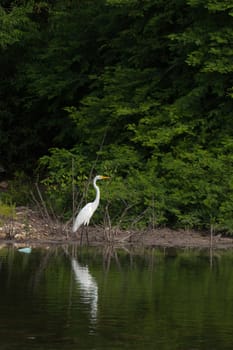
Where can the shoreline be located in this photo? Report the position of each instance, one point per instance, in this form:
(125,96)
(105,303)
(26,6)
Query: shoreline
(29,228)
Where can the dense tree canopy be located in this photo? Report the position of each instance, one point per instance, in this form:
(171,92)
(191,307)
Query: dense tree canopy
(140,90)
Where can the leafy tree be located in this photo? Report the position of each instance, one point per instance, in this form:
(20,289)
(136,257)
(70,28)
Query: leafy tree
(140,90)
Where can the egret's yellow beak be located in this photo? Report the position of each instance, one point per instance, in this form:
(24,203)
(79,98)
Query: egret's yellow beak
(105,177)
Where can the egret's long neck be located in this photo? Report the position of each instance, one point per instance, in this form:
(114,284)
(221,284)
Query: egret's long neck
(97,198)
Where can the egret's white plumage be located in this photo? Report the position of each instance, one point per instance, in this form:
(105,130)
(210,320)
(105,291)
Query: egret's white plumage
(85,214)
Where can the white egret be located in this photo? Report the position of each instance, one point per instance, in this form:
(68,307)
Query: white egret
(85,214)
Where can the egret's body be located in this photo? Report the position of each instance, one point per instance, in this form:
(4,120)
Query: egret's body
(85,214)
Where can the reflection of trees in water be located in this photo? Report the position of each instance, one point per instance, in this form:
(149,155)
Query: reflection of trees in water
(43,264)
(72,274)
(109,254)
(116,255)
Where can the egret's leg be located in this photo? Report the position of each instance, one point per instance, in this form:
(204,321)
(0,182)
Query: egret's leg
(87,235)
(81,235)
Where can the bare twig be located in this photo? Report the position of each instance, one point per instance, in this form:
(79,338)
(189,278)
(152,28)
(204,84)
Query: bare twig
(107,225)
(73,191)
(139,217)
(42,202)
(53,224)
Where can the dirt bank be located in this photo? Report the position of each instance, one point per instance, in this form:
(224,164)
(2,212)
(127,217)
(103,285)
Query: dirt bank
(29,226)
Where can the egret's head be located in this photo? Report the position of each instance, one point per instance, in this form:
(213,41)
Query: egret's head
(101,177)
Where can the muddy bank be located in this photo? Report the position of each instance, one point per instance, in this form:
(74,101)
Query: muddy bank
(29,227)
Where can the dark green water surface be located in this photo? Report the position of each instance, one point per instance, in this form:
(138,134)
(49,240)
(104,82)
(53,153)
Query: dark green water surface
(91,298)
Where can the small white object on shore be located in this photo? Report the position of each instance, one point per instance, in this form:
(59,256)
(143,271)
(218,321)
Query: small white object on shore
(26,250)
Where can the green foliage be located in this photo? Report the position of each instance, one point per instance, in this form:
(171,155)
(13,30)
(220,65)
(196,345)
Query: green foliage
(65,171)
(7,211)
(18,192)
(138,90)
(13,25)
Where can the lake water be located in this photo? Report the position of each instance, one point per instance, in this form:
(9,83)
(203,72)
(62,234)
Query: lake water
(94,298)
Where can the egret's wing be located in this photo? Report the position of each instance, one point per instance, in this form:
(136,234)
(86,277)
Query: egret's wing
(83,216)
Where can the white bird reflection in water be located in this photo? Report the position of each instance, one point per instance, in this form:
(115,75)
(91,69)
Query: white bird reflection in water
(88,286)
